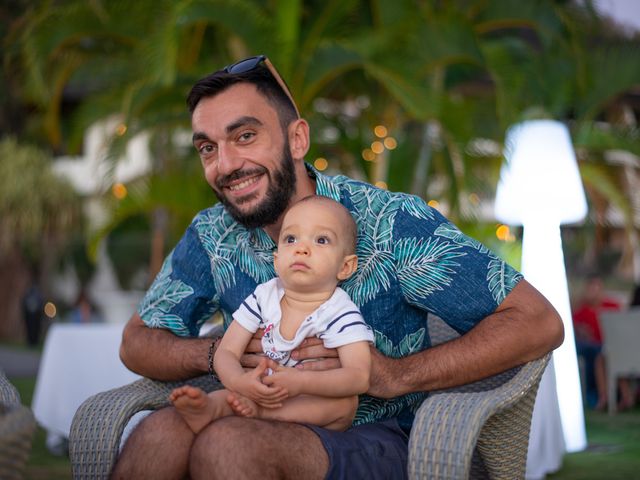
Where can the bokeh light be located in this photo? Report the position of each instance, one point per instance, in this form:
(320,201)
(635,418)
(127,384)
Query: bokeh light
(121,129)
(380,131)
(119,190)
(368,155)
(50,309)
(321,163)
(503,232)
(390,143)
(377,147)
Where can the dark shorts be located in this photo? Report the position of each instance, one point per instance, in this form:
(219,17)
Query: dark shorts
(372,451)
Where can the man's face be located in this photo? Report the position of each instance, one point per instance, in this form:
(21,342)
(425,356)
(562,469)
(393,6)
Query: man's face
(245,154)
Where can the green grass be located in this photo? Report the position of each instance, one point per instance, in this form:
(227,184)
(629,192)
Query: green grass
(613,453)
(42,465)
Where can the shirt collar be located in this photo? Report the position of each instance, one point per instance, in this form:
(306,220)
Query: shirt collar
(324,185)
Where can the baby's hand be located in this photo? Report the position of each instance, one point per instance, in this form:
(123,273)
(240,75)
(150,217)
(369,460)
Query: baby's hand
(286,378)
(250,385)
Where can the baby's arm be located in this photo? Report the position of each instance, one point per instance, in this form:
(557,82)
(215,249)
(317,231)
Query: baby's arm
(227,366)
(352,378)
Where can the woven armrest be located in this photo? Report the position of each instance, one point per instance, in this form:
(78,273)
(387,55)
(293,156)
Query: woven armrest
(8,393)
(17,426)
(98,424)
(478,430)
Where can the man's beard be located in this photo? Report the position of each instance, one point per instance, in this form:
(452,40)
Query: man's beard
(276,201)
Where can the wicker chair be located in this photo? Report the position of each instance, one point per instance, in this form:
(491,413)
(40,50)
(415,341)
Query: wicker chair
(17,426)
(480,430)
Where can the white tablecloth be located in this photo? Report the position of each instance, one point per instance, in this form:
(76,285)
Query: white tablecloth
(77,362)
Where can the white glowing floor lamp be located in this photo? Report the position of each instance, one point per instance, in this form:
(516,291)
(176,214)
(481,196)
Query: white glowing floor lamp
(540,188)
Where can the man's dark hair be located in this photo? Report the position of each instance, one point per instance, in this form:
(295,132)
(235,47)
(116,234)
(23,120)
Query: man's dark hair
(260,76)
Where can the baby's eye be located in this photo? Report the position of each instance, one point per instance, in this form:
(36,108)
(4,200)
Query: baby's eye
(322,240)
(289,239)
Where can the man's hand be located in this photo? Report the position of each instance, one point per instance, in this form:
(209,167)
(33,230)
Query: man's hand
(312,351)
(315,355)
(250,385)
(253,353)
(386,376)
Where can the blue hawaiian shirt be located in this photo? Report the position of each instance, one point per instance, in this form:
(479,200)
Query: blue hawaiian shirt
(411,262)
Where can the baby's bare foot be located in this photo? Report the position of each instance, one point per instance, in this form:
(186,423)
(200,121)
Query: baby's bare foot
(195,407)
(243,406)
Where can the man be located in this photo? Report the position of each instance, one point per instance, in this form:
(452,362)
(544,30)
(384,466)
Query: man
(252,143)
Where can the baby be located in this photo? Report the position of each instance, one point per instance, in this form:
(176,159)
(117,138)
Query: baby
(316,251)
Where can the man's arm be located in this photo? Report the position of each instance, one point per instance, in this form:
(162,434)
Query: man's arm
(524,327)
(157,353)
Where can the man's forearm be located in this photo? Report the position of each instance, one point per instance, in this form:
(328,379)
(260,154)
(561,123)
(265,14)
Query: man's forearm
(524,328)
(159,354)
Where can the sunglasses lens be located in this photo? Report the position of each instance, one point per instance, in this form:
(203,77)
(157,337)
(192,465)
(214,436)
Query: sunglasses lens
(245,65)
(249,64)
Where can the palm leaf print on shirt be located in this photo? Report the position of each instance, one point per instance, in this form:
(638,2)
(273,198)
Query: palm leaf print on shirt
(226,244)
(173,292)
(425,265)
(375,258)
(214,232)
(256,263)
(416,207)
(501,278)
(451,232)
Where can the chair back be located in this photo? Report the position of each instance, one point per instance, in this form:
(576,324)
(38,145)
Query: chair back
(621,331)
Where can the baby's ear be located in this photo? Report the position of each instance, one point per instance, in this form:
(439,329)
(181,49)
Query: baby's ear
(349,265)
(275,263)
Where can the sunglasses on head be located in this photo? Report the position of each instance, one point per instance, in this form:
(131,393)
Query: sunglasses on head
(250,63)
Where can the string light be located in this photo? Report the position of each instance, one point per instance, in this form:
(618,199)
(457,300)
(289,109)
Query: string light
(381,184)
(503,232)
(121,129)
(50,309)
(321,163)
(377,147)
(433,203)
(368,155)
(390,143)
(380,131)
(119,190)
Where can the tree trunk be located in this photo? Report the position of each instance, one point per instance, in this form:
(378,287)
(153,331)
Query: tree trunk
(14,280)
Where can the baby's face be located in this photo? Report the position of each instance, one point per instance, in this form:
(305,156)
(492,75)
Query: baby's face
(312,251)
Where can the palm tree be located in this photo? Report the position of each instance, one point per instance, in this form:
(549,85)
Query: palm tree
(437,74)
(38,215)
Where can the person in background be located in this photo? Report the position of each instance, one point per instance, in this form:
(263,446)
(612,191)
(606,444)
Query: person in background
(590,341)
(84,310)
(33,310)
